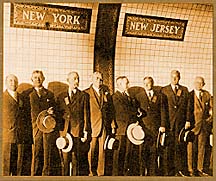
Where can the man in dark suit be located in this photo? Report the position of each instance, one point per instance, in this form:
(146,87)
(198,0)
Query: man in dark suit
(198,113)
(152,101)
(12,128)
(177,99)
(46,158)
(73,105)
(125,113)
(101,111)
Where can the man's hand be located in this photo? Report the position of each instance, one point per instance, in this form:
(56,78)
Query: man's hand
(139,113)
(50,110)
(162,129)
(113,131)
(187,125)
(84,137)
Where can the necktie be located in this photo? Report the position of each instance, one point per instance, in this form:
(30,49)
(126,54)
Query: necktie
(150,96)
(16,97)
(200,96)
(71,96)
(39,92)
(176,89)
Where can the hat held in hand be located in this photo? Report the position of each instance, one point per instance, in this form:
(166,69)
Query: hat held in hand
(186,135)
(46,122)
(64,143)
(111,143)
(135,134)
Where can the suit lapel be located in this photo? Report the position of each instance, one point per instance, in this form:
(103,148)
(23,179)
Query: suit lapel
(198,102)
(172,94)
(11,99)
(75,98)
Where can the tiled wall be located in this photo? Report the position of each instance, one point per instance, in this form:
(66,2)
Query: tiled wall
(58,52)
(139,57)
(54,52)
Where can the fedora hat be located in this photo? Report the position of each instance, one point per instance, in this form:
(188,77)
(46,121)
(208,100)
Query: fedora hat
(111,143)
(46,122)
(135,134)
(64,143)
(186,135)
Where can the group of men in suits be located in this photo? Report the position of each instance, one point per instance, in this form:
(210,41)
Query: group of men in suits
(89,116)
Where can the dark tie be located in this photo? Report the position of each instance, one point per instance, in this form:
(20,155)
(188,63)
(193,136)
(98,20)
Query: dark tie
(39,92)
(150,96)
(200,96)
(176,90)
(16,97)
(71,96)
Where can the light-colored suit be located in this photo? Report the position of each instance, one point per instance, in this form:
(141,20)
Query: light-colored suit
(198,112)
(101,111)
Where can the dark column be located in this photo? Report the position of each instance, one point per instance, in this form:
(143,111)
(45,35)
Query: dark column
(105,41)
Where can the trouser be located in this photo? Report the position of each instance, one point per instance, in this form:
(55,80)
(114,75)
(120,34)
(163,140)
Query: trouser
(12,159)
(196,152)
(45,158)
(148,164)
(120,155)
(177,155)
(27,159)
(96,155)
(72,159)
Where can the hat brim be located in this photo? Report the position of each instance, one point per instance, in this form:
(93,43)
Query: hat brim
(39,122)
(130,136)
(185,136)
(70,144)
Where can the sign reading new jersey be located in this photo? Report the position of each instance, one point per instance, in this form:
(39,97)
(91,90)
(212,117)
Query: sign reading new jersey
(50,17)
(154,27)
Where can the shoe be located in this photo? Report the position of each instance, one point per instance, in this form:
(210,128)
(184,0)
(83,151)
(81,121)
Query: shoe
(202,174)
(191,174)
(180,174)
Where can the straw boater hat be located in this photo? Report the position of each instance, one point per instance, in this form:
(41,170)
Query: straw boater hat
(111,143)
(46,122)
(64,143)
(186,135)
(135,134)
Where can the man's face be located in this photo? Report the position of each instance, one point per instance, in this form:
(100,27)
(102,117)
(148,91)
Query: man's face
(148,84)
(198,84)
(73,80)
(97,80)
(124,84)
(37,79)
(175,78)
(12,82)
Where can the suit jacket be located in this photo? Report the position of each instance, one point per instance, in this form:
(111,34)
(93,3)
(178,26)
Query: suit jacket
(101,111)
(177,106)
(12,118)
(156,110)
(198,111)
(38,104)
(125,112)
(75,111)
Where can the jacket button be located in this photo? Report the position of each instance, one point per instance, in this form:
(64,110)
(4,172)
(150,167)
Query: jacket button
(175,107)
(68,116)
(148,107)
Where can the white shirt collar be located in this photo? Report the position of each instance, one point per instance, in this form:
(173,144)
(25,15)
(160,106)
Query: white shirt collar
(174,86)
(12,93)
(69,91)
(122,91)
(197,92)
(96,89)
(149,91)
(38,88)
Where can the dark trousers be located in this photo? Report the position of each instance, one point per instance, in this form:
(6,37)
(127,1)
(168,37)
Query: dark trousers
(120,155)
(27,159)
(148,158)
(96,155)
(45,158)
(12,159)
(76,161)
(177,155)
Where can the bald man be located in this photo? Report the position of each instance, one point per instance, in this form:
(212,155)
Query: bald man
(198,112)
(12,128)
(73,106)
(101,111)
(177,100)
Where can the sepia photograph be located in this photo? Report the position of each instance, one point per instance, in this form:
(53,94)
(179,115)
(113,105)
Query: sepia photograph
(117,89)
